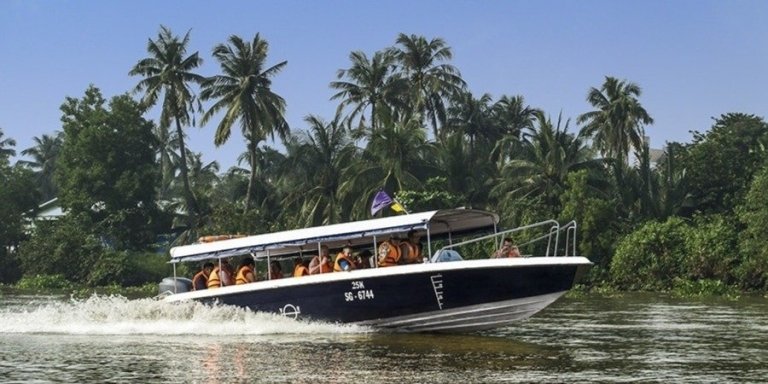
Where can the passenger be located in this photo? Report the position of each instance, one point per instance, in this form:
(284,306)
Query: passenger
(322,263)
(344,261)
(275,270)
(245,272)
(299,269)
(389,252)
(363,259)
(410,249)
(508,249)
(221,275)
(200,281)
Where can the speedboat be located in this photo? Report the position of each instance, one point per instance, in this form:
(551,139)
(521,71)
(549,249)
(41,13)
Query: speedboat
(458,288)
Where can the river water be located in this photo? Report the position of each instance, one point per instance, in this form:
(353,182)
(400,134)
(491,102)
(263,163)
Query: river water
(626,338)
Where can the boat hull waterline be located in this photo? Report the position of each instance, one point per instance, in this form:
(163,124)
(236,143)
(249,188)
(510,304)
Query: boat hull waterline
(461,296)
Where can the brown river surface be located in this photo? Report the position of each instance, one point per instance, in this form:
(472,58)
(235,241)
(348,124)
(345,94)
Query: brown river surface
(590,338)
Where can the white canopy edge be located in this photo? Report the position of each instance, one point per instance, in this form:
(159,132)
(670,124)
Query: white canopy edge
(337,235)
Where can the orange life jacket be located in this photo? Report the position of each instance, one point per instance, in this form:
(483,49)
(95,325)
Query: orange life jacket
(300,271)
(341,256)
(388,254)
(214,281)
(322,267)
(200,280)
(242,275)
(414,253)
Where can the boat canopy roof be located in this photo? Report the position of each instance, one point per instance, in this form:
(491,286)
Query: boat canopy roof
(356,233)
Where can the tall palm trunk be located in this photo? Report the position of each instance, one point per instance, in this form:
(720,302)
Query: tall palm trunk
(252,145)
(188,195)
(373,116)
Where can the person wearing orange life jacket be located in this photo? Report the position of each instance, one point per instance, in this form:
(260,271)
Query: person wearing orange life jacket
(321,263)
(344,261)
(200,281)
(221,275)
(299,269)
(410,249)
(245,272)
(275,270)
(388,252)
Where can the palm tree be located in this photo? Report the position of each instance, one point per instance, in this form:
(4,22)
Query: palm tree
(168,72)
(431,80)
(202,179)
(244,93)
(397,157)
(270,165)
(471,117)
(168,157)
(44,155)
(368,84)
(617,123)
(202,176)
(465,168)
(547,154)
(323,154)
(511,117)
(6,148)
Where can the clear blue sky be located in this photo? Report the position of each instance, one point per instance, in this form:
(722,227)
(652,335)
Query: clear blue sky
(693,59)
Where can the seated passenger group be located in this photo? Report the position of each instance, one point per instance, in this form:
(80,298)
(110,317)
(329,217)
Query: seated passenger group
(390,253)
(396,252)
(221,274)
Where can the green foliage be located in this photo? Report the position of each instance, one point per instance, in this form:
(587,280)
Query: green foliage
(44,157)
(230,219)
(168,72)
(318,159)
(475,251)
(433,197)
(541,167)
(106,168)
(65,247)
(107,269)
(244,94)
(721,163)
(753,242)
(18,200)
(595,217)
(712,249)
(651,257)
(6,149)
(698,257)
(10,268)
(145,268)
(703,287)
(44,282)
(617,121)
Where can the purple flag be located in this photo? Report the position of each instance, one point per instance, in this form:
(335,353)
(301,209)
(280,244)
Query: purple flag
(380,201)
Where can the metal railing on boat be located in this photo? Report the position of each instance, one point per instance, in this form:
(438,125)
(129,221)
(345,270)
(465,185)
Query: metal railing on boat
(552,235)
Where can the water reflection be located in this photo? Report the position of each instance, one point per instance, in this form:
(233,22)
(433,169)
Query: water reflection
(620,339)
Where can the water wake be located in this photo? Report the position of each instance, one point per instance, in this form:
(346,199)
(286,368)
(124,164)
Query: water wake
(117,315)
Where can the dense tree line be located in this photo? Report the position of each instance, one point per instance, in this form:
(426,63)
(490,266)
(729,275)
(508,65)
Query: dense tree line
(407,123)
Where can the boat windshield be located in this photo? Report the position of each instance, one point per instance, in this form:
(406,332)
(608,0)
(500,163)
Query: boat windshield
(445,255)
